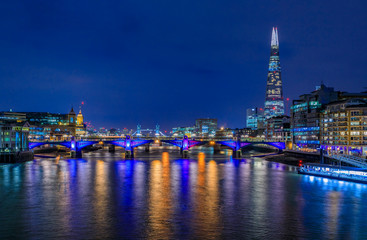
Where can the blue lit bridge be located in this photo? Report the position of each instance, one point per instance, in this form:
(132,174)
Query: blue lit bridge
(129,144)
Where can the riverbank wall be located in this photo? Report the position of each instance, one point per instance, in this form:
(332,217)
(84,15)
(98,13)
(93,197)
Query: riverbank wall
(16,157)
(291,157)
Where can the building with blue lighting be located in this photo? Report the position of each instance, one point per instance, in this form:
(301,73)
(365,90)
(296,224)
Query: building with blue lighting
(182,131)
(255,118)
(305,117)
(13,136)
(274,102)
(206,126)
(315,119)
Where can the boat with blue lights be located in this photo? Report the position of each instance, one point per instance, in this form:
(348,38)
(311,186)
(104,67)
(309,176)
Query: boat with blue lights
(335,172)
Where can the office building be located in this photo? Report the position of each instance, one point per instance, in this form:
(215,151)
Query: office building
(255,118)
(206,126)
(305,117)
(274,102)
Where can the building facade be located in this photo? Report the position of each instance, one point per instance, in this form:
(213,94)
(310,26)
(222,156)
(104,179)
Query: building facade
(344,127)
(305,117)
(206,126)
(274,102)
(80,128)
(14,136)
(255,118)
(182,131)
(49,126)
(278,129)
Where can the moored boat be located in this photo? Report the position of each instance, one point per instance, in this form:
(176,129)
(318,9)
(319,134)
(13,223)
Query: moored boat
(335,172)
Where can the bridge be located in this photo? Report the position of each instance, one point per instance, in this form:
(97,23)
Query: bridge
(148,132)
(129,144)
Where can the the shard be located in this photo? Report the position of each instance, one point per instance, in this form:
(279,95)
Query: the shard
(274,103)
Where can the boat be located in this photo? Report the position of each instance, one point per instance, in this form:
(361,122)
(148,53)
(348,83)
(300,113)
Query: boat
(335,172)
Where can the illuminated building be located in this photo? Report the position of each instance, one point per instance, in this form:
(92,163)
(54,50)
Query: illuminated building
(80,127)
(305,117)
(344,126)
(255,118)
(274,103)
(224,133)
(13,136)
(72,117)
(242,132)
(114,132)
(46,118)
(206,126)
(45,125)
(13,116)
(278,129)
(39,133)
(181,131)
(126,131)
(80,118)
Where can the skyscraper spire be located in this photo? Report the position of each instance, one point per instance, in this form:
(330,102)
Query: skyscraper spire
(274,38)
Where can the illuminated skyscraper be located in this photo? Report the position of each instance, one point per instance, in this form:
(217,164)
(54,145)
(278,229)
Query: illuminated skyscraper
(274,103)
(255,118)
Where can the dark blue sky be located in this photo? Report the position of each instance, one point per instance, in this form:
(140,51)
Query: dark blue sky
(173,61)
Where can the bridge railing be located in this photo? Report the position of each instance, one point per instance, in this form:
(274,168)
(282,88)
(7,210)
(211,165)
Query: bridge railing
(350,159)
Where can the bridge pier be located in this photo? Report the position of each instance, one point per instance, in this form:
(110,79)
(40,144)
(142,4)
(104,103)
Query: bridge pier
(216,148)
(147,147)
(185,153)
(111,148)
(129,154)
(238,153)
(76,154)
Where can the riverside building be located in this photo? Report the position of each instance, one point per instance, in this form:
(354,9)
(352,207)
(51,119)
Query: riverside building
(14,136)
(278,129)
(305,117)
(52,126)
(344,127)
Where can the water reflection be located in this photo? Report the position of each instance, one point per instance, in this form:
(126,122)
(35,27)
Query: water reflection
(206,200)
(101,196)
(160,199)
(161,196)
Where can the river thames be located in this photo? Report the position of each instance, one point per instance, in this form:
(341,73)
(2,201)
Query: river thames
(162,196)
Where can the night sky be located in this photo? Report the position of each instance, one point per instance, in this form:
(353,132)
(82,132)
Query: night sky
(170,62)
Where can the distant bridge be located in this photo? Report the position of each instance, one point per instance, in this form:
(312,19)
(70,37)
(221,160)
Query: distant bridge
(148,132)
(129,144)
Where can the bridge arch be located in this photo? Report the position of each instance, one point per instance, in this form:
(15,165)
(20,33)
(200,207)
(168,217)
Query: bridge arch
(33,145)
(72,145)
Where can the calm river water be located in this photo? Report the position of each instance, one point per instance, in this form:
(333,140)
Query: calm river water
(161,196)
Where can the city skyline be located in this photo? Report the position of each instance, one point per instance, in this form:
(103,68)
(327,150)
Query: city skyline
(172,71)
(173,120)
